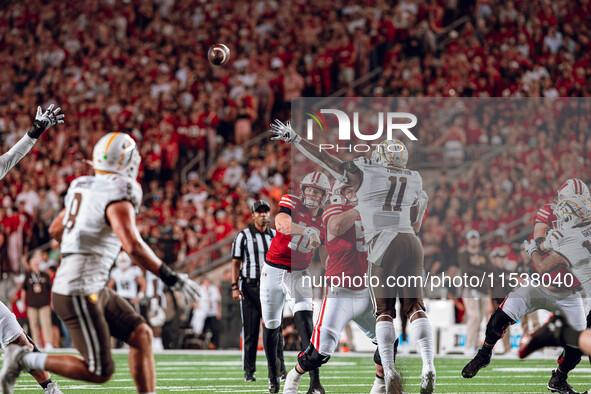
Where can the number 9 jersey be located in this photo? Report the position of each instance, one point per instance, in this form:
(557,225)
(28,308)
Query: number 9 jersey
(87,231)
(385,197)
(294,252)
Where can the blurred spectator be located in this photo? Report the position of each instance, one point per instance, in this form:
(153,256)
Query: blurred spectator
(474,263)
(36,292)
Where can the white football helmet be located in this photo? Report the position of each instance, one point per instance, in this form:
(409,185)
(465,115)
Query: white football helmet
(116,153)
(318,180)
(338,197)
(572,187)
(390,153)
(123,261)
(572,211)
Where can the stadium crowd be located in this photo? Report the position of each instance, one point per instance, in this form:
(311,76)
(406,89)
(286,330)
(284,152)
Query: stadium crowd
(141,67)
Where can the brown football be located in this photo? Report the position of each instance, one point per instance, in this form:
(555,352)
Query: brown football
(218,54)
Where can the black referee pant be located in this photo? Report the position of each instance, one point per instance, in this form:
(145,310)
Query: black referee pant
(251,322)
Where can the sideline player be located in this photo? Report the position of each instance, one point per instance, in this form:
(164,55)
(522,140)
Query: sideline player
(11,333)
(527,299)
(570,245)
(99,219)
(125,279)
(346,297)
(391,205)
(299,228)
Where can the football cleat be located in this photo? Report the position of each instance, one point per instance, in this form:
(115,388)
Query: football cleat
(292,382)
(52,389)
(249,377)
(550,334)
(393,381)
(479,361)
(558,384)
(428,381)
(379,386)
(274,384)
(12,366)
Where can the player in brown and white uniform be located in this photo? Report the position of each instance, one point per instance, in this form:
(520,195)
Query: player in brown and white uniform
(570,245)
(11,333)
(529,298)
(391,206)
(97,221)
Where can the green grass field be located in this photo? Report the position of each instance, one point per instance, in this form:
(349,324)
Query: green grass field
(211,372)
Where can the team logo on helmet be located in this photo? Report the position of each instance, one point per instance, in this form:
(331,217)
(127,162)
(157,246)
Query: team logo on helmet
(391,153)
(572,211)
(116,153)
(316,180)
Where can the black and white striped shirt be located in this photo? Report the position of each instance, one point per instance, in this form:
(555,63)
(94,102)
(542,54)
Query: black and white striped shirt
(251,246)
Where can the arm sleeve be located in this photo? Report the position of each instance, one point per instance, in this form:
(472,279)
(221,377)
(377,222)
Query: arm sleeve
(17,152)
(285,210)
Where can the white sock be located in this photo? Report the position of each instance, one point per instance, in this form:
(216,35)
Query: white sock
(386,335)
(421,332)
(35,360)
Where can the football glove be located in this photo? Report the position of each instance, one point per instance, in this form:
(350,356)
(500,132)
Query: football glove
(44,120)
(313,235)
(190,290)
(530,247)
(284,132)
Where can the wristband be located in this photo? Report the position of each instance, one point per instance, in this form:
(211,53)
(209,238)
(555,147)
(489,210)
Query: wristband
(168,276)
(539,241)
(235,286)
(36,129)
(140,295)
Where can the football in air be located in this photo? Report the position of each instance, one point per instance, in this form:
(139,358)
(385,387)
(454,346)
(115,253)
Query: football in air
(218,54)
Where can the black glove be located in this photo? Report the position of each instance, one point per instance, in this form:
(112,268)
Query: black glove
(44,120)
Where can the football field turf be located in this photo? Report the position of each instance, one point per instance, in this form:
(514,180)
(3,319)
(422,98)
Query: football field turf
(220,372)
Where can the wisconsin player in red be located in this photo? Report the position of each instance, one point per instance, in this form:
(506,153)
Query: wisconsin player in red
(299,229)
(527,299)
(346,296)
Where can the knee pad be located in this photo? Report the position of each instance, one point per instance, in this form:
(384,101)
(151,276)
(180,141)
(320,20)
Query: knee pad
(310,359)
(376,355)
(272,324)
(496,326)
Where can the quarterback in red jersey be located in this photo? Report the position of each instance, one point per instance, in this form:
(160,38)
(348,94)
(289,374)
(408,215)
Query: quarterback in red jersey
(299,232)
(346,296)
(527,299)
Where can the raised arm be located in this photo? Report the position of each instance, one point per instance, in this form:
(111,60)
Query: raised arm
(43,121)
(284,132)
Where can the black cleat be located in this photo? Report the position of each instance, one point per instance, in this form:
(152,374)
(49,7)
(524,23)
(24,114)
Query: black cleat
(283,375)
(316,388)
(550,334)
(558,384)
(274,384)
(249,377)
(479,361)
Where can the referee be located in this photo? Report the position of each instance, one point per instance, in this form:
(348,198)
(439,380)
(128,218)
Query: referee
(248,255)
